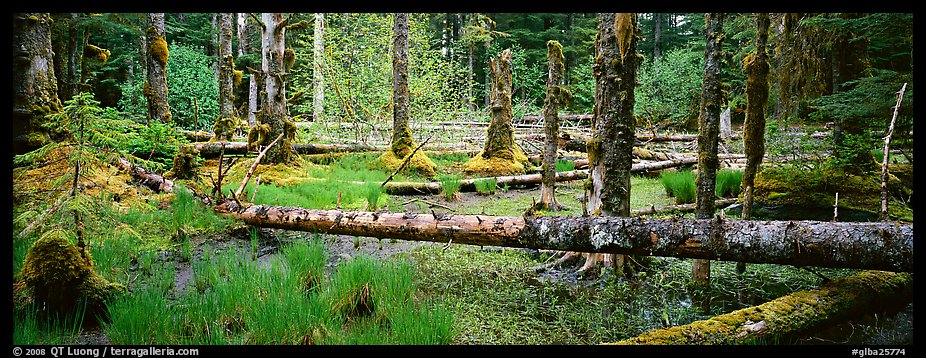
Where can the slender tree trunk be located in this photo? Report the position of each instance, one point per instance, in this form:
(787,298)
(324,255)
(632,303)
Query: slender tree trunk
(610,151)
(226,69)
(252,100)
(157,54)
(35,88)
(887,147)
(402,142)
(657,35)
(318,63)
(243,42)
(756,68)
(274,111)
(555,69)
(708,131)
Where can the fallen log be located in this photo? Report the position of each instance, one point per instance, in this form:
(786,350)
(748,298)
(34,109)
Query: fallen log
(198,136)
(798,312)
(151,180)
(719,204)
(860,245)
(212,149)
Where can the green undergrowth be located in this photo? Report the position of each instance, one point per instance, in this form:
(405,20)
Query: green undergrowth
(499,300)
(234,299)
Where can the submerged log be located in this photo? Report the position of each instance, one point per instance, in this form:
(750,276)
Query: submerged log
(878,246)
(798,312)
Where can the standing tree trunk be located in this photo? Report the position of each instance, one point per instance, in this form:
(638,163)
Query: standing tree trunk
(500,156)
(156,86)
(243,43)
(274,115)
(403,144)
(756,68)
(35,88)
(555,69)
(227,122)
(657,35)
(610,150)
(318,62)
(708,132)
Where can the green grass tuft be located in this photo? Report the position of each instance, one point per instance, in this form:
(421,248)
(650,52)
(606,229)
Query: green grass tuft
(728,183)
(679,184)
(486,186)
(450,185)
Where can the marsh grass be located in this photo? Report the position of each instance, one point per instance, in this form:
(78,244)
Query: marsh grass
(679,184)
(450,185)
(29,325)
(727,183)
(486,186)
(238,300)
(565,165)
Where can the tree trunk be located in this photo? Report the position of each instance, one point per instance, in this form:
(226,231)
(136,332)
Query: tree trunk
(555,69)
(35,88)
(708,131)
(252,100)
(657,35)
(274,112)
(756,68)
(318,62)
(865,292)
(610,150)
(887,147)
(500,156)
(151,180)
(243,43)
(74,54)
(224,128)
(857,245)
(156,86)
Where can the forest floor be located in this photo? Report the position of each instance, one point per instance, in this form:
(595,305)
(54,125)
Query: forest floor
(497,297)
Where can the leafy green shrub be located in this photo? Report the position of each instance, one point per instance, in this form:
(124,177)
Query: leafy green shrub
(670,89)
(679,184)
(450,185)
(727,184)
(486,186)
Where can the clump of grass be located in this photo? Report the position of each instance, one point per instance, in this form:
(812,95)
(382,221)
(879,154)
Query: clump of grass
(450,185)
(679,184)
(486,186)
(565,165)
(373,192)
(188,213)
(307,259)
(728,183)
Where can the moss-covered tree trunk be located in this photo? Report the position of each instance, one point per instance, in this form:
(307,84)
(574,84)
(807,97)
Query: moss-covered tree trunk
(500,156)
(708,131)
(610,150)
(756,68)
(318,63)
(274,115)
(555,70)
(227,121)
(156,59)
(403,144)
(35,88)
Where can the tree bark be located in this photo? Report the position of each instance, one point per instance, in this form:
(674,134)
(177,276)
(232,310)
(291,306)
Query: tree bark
(274,71)
(74,54)
(151,180)
(35,88)
(887,147)
(402,142)
(555,70)
(865,292)
(157,54)
(610,150)
(858,245)
(226,68)
(708,131)
(318,62)
(243,43)
(756,68)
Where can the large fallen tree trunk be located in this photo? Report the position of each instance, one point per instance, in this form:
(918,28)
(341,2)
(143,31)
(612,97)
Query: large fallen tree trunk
(798,312)
(863,245)
(469,185)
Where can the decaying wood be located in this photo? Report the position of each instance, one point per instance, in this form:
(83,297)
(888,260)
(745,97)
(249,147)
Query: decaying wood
(865,292)
(151,180)
(212,149)
(859,245)
(469,185)
(887,147)
(260,156)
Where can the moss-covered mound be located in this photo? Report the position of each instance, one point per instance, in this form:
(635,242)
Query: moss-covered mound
(419,161)
(817,188)
(185,163)
(224,129)
(60,277)
(499,165)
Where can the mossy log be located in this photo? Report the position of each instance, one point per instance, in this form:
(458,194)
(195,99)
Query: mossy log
(212,149)
(151,180)
(681,207)
(877,246)
(792,314)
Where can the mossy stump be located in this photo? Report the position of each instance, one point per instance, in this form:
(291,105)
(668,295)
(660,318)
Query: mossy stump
(419,161)
(224,129)
(185,163)
(497,165)
(60,277)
